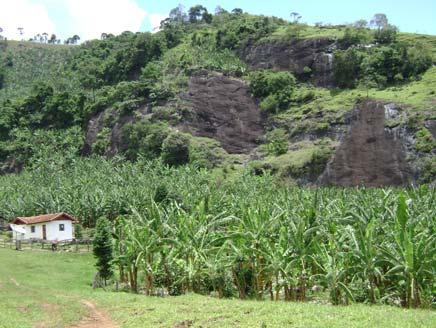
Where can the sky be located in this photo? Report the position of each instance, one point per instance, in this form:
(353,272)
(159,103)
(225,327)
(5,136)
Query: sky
(90,18)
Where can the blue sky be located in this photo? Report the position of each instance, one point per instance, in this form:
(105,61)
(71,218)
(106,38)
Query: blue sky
(89,18)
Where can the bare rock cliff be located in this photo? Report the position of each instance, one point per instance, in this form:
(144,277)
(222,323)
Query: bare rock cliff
(369,154)
(296,56)
(223,109)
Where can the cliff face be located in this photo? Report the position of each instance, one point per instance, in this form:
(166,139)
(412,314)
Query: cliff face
(223,109)
(296,56)
(369,154)
(98,122)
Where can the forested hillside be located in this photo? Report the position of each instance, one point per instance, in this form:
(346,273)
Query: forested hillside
(230,92)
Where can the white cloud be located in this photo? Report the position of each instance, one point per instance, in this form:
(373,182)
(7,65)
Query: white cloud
(155,20)
(32,17)
(90,18)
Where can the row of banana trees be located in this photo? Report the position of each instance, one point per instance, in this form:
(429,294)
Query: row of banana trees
(282,252)
(186,230)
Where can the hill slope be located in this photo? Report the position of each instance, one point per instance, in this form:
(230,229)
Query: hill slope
(243,91)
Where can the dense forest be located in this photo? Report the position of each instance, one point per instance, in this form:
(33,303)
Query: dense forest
(198,150)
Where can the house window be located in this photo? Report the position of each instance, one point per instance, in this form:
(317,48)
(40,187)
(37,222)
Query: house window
(61,227)
(32,229)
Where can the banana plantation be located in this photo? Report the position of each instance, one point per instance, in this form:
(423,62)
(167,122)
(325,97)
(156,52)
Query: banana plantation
(183,230)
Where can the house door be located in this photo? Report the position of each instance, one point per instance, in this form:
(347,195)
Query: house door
(44,232)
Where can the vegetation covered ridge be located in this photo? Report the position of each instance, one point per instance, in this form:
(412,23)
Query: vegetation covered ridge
(135,84)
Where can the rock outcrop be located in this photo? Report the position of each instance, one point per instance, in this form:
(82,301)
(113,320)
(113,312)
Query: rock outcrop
(100,121)
(223,109)
(297,56)
(369,154)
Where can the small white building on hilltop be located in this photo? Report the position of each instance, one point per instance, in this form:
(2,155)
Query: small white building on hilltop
(53,227)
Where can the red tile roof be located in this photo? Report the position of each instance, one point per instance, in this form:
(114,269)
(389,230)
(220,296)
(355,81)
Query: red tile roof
(44,218)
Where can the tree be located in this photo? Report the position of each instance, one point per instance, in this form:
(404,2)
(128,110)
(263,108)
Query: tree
(75,38)
(196,12)
(361,23)
(347,67)
(237,11)
(178,14)
(379,21)
(295,17)
(52,39)
(102,248)
(386,35)
(220,10)
(45,36)
(175,149)
(21,31)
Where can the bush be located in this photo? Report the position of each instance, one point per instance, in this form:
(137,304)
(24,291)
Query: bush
(175,149)
(425,141)
(386,35)
(144,138)
(102,142)
(355,36)
(276,88)
(346,67)
(241,28)
(277,142)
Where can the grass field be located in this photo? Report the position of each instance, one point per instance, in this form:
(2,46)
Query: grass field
(44,289)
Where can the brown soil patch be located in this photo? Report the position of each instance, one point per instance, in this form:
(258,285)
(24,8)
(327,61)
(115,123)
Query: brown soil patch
(96,318)
(184,324)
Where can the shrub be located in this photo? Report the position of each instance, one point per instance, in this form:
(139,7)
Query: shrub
(275,87)
(424,141)
(386,35)
(355,36)
(175,149)
(144,138)
(102,142)
(277,142)
(346,67)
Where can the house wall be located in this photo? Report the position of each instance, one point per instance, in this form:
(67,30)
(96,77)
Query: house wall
(52,230)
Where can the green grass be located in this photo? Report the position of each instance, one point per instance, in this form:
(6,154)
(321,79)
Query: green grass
(32,62)
(305,32)
(412,38)
(46,288)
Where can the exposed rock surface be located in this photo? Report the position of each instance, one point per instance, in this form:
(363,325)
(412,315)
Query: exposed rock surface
(369,154)
(100,121)
(223,109)
(294,56)
(431,126)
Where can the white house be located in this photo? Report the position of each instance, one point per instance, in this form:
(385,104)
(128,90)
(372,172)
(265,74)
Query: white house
(53,227)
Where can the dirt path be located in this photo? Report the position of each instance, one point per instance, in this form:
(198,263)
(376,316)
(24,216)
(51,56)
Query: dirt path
(96,318)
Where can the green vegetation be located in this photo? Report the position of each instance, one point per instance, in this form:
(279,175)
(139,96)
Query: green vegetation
(50,92)
(425,141)
(177,214)
(61,281)
(175,149)
(102,248)
(276,89)
(182,230)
